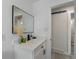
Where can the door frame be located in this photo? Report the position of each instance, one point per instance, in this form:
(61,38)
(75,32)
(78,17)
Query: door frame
(69,29)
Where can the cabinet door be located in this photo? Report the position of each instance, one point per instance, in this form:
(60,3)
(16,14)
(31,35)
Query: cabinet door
(40,54)
(21,53)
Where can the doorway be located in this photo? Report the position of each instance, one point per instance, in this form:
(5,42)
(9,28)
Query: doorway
(63,32)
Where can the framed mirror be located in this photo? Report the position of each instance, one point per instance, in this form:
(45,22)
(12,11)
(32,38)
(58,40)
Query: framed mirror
(22,20)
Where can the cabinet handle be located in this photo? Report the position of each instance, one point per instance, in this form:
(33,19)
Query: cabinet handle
(44,52)
(42,46)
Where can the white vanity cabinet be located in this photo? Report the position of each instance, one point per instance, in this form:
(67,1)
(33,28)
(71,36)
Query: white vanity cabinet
(40,52)
(33,50)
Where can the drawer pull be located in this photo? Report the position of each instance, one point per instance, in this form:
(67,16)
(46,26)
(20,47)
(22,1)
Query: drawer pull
(42,46)
(44,52)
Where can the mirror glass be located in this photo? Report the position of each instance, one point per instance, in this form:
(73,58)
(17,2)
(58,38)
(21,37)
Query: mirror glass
(21,20)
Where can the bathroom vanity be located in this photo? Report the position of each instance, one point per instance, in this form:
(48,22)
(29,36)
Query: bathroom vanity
(33,49)
(23,22)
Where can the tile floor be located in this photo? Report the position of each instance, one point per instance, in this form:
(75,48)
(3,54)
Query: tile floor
(60,56)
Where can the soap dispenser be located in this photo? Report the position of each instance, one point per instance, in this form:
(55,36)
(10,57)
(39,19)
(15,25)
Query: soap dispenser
(28,37)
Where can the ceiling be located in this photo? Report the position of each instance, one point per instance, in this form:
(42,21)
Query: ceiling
(34,0)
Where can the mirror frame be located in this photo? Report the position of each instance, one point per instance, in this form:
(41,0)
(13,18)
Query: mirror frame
(13,20)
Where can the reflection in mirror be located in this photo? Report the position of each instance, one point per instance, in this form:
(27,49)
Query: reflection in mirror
(21,21)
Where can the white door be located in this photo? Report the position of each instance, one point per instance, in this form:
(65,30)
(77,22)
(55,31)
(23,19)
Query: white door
(60,32)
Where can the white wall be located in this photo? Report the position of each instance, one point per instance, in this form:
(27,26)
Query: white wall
(42,28)
(68,8)
(7,14)
(7,23)
(54,3)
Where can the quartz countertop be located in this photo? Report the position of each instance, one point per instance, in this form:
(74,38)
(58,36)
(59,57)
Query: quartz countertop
(30,45)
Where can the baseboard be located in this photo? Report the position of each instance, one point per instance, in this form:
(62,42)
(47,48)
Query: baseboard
(59,51)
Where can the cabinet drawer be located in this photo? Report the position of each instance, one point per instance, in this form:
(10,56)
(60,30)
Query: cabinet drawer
(40,47)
